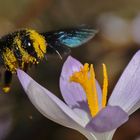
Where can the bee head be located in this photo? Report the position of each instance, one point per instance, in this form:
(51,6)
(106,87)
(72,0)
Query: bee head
(37,42)
(31,42)
(34,43)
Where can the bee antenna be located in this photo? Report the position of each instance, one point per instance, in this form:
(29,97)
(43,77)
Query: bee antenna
(56,51)
(58,54)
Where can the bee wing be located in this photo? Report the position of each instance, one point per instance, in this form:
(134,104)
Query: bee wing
(63,40)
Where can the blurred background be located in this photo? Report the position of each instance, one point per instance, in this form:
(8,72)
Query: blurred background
(118,22)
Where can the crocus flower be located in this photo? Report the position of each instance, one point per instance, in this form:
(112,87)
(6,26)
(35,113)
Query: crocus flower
(86,108)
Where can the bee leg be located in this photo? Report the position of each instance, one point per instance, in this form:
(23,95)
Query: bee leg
(26,66)
(7,81)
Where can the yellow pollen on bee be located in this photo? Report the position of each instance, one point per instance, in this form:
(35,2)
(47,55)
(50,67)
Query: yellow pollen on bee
(39,43)
(86,78)
(6,89)
(26,57)
(10,60)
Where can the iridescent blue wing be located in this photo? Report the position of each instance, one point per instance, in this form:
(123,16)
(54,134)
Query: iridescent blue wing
(63,40)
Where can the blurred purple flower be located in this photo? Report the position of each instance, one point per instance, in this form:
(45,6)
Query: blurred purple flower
(76,113)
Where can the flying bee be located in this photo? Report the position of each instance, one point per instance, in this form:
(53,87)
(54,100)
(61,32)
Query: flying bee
(24,47)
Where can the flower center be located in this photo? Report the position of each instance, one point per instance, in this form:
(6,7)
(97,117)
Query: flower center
(86,78)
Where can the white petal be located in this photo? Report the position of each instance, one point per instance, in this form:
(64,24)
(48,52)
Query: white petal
(126,94)
(55,110)
(82,114)
(134,108)
(48,104)
(105,136)
(51,106)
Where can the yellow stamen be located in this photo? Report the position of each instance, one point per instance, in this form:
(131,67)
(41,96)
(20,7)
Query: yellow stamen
(94,91)
(105,86)
(80,76)
(86,78)
(87,81)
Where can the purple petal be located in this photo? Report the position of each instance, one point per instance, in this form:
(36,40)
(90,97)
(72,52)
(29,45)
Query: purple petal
(48,104)
(107,119)
(73,93)
(82,110)
(126,93)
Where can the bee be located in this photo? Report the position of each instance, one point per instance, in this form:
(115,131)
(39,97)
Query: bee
(24,47)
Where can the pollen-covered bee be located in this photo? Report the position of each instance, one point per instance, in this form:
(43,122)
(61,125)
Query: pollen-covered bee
(25,47)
